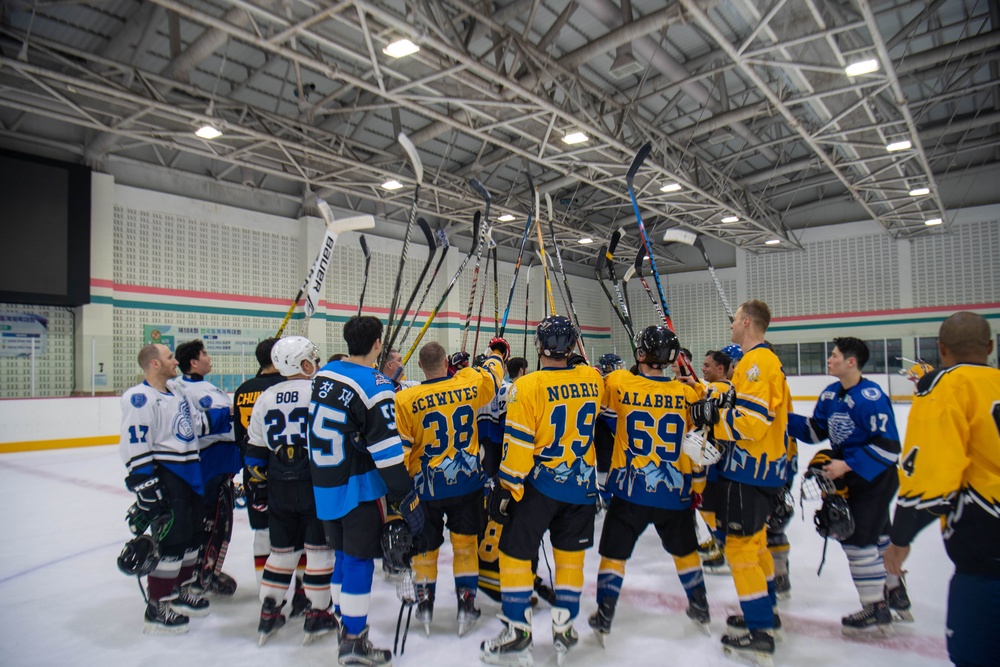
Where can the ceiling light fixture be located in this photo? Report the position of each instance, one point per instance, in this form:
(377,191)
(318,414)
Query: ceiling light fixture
(772,242)
(671,187)
(401,48)
(208,132)
(506,217)
(392,185)
(585,240)
(862,67)
(575,138)
(932,222)
(901,145)
(919,192)
(730,218)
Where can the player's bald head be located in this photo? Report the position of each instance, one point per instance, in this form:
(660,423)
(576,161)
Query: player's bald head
(966,336)
(148,353)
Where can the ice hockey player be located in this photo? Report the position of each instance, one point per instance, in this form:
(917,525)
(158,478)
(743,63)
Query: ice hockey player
(546,483)
(651,479)
(437,423)
(159,446)
(949,471)
(356,459)
(278,463)
(604,434)
(220,461)
(855,415)
(714,372)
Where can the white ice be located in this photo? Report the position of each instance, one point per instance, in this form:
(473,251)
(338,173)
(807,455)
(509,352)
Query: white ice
(64,602)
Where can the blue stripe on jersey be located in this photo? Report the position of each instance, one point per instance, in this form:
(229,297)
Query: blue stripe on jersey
(518,434)
(754,407)
(510,479)
(335,502)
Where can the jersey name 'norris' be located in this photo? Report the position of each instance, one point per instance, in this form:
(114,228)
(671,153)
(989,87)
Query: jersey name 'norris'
(444,398)
(657,401)
(578,390)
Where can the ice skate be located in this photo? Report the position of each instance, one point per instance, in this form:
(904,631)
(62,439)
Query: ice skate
(600,620)
(737,625)
(189,604)
(271,620)
(425,607)
(222,585)
(564,637)
(318,624)
(512,646)
(698,612)
(783,587)
(161,619)
(899,602)
(874,619)
(358,650)
(467,612)
(755,647)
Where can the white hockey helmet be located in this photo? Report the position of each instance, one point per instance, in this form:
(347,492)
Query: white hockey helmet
(289,353)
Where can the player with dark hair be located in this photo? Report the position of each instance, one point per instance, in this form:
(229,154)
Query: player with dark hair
(220,462)
(949,471)
(437,422)
(604,434)
(714,373)
(356,458)
(546,483)
(857,418)
(159,446)
(651,479)
(278,461)
(753,418)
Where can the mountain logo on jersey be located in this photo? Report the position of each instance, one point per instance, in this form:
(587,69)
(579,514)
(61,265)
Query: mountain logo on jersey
(448,471)
(841,426)
(138,400)
(654,475)
(183,430)
(871,393)
(562,473)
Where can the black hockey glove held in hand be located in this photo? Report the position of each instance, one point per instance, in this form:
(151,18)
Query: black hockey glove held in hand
(412,512)
(498,503)
(151,497)
(501,347)
(704,413)
(256,488)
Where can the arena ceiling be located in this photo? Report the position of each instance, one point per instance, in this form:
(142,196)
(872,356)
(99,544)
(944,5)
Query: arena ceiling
(746,103)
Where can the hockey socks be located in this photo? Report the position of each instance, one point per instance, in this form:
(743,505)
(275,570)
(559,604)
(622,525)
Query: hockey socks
(867,571)
(355,593)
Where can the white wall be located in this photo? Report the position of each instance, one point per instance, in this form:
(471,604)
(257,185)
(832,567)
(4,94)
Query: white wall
(39,419)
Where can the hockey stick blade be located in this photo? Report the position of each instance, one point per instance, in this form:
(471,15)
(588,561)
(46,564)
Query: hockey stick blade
(411,152)
(678,235)
(637,161)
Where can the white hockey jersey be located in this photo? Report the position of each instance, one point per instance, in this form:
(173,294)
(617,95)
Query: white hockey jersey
(219,452)
(277,434)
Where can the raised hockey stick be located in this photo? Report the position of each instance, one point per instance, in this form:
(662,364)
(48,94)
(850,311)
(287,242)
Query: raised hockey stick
(313,283)
(454,279)
(527,300)
(364,279)
(496,295)
(610,257)
(629,273)
(545,269)
(443,243)
(663,310)
(562,270)
(677,235)
(431,251)
(481,190)
(602,256)
(418,168)
(520,253)
(482,298)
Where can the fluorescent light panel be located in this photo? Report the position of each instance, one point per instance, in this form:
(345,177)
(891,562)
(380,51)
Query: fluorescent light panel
(401,48)
(919,192)
(730,218)
(392,185)
(208,132)
(862,67)
(575,138)
(932,222)
(772,242)
(671,187)
(585,240)
(507,217)
(899,146)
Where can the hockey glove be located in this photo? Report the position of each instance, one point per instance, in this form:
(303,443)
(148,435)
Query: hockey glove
(500,346)
(256,488)
(704,413)
(726,400)
(151,497)
(457,362)
(412,512)
(498,503)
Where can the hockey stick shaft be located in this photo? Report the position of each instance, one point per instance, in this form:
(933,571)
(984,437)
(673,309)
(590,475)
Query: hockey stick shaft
(482,302)
(364,279)
(423,297)
(571,307)
(431,251)
(545,269)
(678,235)
(486,232)
(520,253)
(619,292)
(601,258)
(496,294)
(527,300)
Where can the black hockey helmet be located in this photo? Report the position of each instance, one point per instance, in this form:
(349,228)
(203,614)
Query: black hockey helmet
(782,511)
(834,519)
(657,346)
(397,546)
(610,362)
(139,556)
(555,337)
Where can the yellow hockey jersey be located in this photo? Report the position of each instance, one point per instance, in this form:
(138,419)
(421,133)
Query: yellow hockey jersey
(548,438)
(436,420)
(950,466)
(755,426)
(647,464)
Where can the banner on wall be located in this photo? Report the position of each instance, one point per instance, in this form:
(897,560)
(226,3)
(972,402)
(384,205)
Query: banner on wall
(22,333)
(218,340)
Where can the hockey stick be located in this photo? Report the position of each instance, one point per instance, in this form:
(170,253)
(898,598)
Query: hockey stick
(562,270)
(443,243)
(527,300)
(418,168)
(481,190)
(482,299)
(545,269)
(677,235)
(454,279)
(610,257)
(602,256)
(520,253)
(663,310)
(496,296)
(432,250)
(313,283)
(629,272)
(364,280)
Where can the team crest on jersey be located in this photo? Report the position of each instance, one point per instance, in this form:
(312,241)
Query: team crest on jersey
(512,395)
(841,427)
(205,402)
(138,400)
(871,393)
(183,430)
(754,373)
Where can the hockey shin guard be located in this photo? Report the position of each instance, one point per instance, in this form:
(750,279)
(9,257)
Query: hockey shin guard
(743,554)
(278,572)
(569,580)
(868,572)
(610,577)
(316,580)
(356,593)
(516,585)
(689,572)
(466,562)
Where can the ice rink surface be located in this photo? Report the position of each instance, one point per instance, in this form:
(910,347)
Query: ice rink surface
(64,602)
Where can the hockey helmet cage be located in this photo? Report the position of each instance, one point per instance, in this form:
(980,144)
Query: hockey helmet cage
(782,511)
(657,346)
(288,354)
(555,337)
(397,546)
(734,352)
(139,556)
(834,518)
(610,362)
